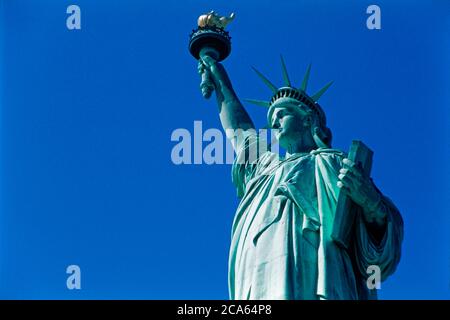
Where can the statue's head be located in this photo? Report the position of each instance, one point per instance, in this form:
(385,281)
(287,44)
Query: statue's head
(296,114)
(294,121)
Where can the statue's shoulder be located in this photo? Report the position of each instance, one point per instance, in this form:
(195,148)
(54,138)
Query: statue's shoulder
(330,154)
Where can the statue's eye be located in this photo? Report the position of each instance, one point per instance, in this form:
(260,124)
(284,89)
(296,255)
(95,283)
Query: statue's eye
(283,114)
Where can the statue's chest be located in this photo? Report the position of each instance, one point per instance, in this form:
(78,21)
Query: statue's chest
(283,182)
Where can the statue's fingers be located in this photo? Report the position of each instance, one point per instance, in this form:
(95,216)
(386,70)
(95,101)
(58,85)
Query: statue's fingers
(352,167)
(346,180)
(343,188)
(355,178)
(200,67)
(207,60)
(203,61)
(348,163)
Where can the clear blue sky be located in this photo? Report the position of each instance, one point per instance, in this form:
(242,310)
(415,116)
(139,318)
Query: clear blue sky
(87,116)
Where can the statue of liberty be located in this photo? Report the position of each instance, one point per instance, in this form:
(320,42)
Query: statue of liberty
(284,243)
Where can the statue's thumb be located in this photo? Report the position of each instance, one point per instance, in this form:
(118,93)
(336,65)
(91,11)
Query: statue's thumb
(202,62)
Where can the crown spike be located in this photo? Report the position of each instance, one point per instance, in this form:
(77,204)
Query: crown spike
(317,96)
(287,82)
(266,81)
(306,78)
(258,102)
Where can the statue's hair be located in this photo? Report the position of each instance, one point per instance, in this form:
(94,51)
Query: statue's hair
(322,135)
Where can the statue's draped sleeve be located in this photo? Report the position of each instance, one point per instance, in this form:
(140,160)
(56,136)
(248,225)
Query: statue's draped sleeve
(383,252)
(251,152)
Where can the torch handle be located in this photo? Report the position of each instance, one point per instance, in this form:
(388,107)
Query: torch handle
(207,84)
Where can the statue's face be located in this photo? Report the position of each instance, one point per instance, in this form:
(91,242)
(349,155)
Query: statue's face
(291,123)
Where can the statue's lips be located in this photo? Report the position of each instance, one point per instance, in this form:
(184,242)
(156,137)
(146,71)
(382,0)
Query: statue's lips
(278,132)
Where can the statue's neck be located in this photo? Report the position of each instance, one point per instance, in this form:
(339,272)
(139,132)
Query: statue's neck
(303,146)
(290,154)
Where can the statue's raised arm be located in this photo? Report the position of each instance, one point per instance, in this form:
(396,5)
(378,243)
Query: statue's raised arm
(210,44)
(232,113)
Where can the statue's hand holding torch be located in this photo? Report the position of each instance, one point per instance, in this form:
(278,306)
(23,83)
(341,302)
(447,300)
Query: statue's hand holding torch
(209,44)
(205,63)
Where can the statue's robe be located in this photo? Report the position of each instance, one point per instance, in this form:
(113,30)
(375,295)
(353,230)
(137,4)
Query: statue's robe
(281,236)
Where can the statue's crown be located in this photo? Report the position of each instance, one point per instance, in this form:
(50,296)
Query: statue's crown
(293,93)
(288,91)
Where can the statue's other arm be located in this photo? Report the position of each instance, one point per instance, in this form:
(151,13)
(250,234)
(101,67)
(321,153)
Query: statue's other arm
(379,230)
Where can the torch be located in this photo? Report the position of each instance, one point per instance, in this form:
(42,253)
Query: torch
(210,39)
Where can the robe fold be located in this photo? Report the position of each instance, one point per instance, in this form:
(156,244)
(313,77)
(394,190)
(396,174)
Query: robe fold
(281,245)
